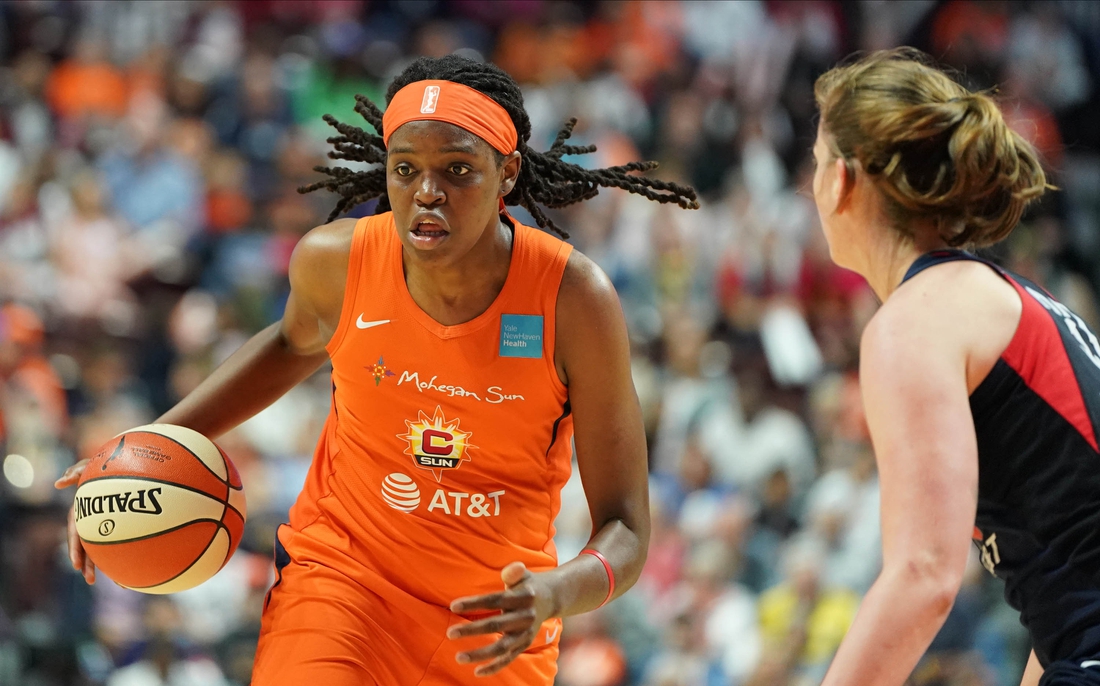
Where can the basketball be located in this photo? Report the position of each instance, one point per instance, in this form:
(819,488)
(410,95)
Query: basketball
(160,509)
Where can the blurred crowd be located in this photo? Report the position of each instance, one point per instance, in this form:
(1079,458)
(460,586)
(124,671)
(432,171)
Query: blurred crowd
(149,160)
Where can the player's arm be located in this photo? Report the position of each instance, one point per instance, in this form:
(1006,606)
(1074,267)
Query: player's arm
(286,352)
(593,354)
(913,377)
(270,363)
(1033,672)
(608,434)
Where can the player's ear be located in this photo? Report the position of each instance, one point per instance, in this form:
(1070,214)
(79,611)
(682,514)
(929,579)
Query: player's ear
(509,172)
(844,180)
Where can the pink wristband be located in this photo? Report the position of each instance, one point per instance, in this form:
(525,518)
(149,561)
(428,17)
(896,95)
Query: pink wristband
(610,574)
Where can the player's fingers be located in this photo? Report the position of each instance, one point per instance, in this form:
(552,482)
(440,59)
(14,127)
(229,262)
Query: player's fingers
(89,570)
(514,574)
(71,475)
(499,663)
(502,646)
(79,559)
(76,551)
(512,599)
(520,620)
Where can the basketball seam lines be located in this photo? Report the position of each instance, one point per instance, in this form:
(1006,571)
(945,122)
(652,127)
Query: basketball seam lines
(168,483)
(154,535)
(196,560)
(200,460)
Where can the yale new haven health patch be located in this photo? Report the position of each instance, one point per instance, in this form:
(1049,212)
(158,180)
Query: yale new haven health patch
(521,335)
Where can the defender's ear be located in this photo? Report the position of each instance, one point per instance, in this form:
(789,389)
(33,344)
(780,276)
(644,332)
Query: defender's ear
(844,182)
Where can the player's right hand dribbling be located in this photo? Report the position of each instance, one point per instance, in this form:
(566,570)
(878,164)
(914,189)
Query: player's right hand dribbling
(80,561)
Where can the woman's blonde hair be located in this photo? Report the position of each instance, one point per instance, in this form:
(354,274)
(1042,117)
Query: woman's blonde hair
(936,150)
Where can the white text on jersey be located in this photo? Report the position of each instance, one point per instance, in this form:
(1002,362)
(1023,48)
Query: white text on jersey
(468,504)
(494,395)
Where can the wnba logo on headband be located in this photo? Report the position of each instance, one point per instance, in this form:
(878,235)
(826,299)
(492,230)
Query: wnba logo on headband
(453,103)
(431,99)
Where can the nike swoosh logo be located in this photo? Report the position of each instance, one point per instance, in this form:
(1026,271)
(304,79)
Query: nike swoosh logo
(551,635)
(366,325)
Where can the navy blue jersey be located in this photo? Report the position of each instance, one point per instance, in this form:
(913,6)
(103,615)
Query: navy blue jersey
(1036,417)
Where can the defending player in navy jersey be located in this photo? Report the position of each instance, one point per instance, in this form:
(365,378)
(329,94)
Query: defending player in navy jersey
(982,392)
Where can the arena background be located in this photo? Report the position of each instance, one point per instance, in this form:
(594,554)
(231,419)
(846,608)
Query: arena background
(149,155)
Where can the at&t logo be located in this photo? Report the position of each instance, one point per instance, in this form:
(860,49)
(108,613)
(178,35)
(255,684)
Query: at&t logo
(400,492)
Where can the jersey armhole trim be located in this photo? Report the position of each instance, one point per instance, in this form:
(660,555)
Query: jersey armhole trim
(565,251)
(351,286)
(1048,373)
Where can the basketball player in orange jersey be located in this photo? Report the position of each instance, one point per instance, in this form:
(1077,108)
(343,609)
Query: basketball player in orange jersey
(982,391)
(468,353)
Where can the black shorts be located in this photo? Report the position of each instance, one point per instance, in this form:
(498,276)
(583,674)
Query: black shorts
(1065,673)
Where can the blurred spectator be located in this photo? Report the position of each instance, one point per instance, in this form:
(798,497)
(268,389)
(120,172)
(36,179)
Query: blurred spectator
(747,449)
(163,661)
(87,84)
(804,619)
(93,259)
(154,187)
(590,657)
(33,408)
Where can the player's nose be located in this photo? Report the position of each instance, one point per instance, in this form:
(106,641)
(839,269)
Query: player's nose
(428,191)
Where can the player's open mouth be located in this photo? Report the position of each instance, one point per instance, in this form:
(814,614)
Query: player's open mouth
(426,235)
(429,230)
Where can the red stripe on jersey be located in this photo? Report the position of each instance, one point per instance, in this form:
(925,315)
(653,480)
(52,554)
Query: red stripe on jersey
(1038,354)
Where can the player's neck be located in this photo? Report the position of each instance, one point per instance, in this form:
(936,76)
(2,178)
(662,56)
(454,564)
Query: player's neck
(887,255)
(455,293)
(887,264)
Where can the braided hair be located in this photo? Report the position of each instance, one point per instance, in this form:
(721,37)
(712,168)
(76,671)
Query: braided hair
(544,179)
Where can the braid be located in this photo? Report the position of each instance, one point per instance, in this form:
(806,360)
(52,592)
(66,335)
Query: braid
(544,179)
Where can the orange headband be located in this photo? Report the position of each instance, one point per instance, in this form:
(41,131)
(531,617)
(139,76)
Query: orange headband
(455,104)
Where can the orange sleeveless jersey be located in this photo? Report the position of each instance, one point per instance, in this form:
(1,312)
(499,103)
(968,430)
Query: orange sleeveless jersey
(444,454)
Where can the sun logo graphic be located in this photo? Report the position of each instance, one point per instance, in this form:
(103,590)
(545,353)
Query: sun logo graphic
(379,370)
(436,443)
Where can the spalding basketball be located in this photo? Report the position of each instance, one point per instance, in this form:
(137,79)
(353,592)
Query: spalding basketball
(160,508)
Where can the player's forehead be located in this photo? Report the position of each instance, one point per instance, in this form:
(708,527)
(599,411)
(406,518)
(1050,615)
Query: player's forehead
(428,137)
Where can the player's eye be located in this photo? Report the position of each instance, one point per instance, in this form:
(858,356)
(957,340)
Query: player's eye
(403,170)
(459,169)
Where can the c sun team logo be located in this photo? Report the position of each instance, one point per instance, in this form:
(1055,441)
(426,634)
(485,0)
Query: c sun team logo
(430,101)
(436,443)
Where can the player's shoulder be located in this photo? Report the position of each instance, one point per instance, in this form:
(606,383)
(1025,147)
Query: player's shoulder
(591,328)
(324,248)
(319,263)
(584,285)
(955,305)
(950,291)
(327,241)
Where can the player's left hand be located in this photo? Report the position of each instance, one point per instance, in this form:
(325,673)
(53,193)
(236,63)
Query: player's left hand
(525,603)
